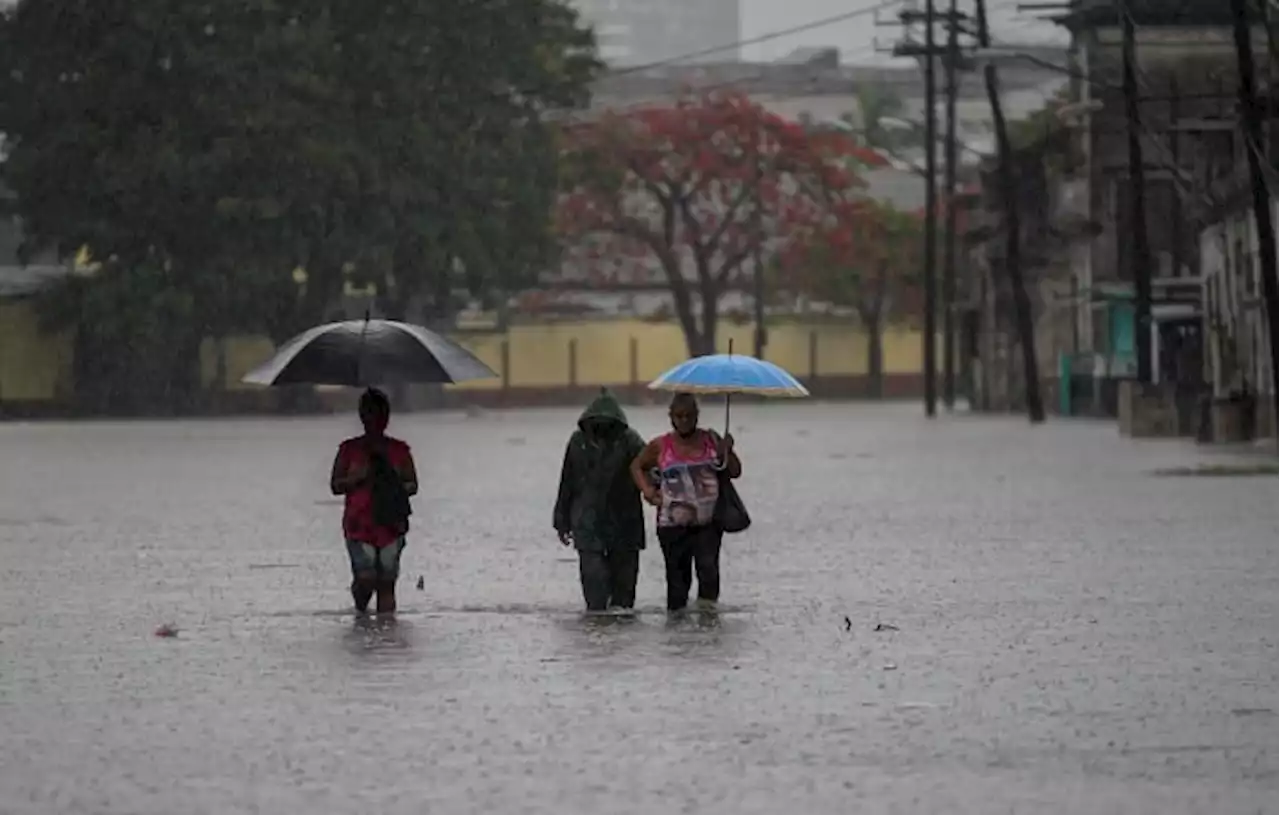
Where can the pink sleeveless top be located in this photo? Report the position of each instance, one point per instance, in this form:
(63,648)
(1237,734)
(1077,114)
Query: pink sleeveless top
(689,485)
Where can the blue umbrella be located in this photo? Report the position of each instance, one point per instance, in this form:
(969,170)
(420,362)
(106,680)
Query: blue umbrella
(729,374)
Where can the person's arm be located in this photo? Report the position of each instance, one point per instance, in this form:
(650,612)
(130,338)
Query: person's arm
(409,473)
(343,478)
(562,515)
(640,467)
(728,455)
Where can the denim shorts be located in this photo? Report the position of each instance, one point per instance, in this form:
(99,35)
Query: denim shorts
(385,560)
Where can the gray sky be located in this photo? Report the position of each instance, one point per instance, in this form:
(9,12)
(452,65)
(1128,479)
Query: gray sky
(856,37)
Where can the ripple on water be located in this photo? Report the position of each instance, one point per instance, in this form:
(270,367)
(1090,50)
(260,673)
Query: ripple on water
(1074,635)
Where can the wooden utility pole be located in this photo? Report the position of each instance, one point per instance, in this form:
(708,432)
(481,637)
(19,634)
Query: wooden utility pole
(1255,149)
(1013,228)
(1141,254)
(931,213)
(949,230)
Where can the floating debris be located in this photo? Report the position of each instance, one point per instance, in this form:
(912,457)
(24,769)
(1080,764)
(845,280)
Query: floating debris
(1252,711)
(167,630)
(889,666)
(886,627)
(422,583)
(848,624)
(1250,468)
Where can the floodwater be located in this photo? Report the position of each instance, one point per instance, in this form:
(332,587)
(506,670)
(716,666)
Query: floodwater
(1073,635)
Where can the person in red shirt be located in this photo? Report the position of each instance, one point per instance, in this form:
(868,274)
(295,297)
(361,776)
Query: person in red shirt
(369,471)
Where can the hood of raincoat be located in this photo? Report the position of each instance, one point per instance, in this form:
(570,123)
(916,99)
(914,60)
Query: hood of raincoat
(604,408)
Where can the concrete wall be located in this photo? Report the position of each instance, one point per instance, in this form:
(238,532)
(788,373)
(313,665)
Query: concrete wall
(34,366)
(539,360)
(592,353)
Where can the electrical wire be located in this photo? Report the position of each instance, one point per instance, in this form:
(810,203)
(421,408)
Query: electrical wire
(750,78)
(763,38)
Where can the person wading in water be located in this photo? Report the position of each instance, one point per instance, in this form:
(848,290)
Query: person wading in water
(598,509)
(690,462)
(376,475)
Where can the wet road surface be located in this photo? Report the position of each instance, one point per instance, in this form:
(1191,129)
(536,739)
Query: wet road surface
(1073,634)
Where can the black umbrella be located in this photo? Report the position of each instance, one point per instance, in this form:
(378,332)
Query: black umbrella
(368,352)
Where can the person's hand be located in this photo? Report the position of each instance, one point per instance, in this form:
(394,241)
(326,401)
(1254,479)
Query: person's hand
(653,497)
(357,473)
(726,444)
(566,537)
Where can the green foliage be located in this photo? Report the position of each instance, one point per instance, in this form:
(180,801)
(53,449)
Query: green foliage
(230,143)
(866,258)
(134,356)
(878,101)
(1043,130)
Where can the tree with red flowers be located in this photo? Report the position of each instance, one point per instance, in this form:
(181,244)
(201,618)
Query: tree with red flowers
(685,194)
(866,256)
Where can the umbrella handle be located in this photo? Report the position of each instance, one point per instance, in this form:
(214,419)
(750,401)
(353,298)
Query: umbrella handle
(728,397)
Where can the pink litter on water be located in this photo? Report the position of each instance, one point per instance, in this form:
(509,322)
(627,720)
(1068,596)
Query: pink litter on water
(167,630)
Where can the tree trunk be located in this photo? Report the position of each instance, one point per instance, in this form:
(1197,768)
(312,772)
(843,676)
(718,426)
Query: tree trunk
(874,325)
(710,319)
(871,310)
(184,389)
(219,383)
(309,309)
(682,301)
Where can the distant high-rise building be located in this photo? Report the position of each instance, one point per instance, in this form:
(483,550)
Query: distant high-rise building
(635,32)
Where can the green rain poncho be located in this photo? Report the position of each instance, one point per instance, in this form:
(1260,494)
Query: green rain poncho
(598,502)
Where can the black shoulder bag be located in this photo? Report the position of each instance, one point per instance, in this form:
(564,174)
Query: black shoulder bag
(731,514)
(390,499)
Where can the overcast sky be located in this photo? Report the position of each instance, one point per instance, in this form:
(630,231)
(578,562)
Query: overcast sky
(856,37)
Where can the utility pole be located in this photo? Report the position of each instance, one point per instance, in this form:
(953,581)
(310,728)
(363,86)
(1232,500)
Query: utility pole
(1022,319)
(931,214)
(1141,257)
(1255,148)
(949,230)
(929,53)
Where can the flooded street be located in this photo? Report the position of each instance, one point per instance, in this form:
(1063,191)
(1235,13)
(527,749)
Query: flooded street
(1073,634)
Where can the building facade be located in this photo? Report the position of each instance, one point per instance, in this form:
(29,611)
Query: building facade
(638,32)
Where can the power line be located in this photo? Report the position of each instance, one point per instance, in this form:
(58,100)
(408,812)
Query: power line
(779,34)
(766,37)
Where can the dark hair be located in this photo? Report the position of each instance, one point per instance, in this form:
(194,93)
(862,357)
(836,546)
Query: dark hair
(684,399)
(374,402)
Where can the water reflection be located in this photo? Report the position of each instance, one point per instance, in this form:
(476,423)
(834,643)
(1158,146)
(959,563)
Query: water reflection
(492,692)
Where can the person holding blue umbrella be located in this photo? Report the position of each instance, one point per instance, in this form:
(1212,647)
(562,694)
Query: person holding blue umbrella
(690,462)
(696,499)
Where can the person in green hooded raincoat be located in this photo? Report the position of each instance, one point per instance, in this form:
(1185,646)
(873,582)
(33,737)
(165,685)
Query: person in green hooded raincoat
(598,510)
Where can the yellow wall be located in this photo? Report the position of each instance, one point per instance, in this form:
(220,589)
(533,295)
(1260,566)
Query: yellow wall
(242,355)
(33,366)
(539,354)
